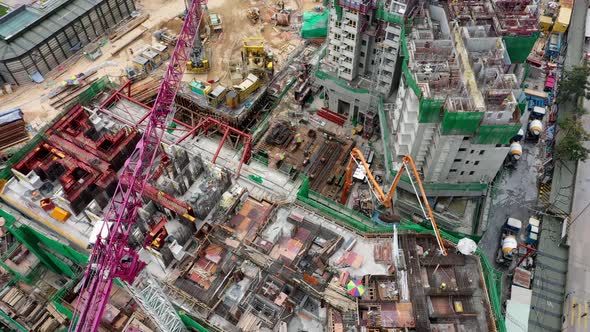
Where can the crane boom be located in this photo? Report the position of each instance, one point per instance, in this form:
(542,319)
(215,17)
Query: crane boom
(387,200)
(112,257)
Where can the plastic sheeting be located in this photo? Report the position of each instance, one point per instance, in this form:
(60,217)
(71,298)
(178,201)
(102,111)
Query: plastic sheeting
(461,123)
(315,25)
(10,115)
(495,134)
(519,48)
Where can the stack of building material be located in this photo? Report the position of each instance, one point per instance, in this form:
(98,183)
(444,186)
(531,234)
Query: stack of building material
(29,312)
(12,128)
(145,90)
(383,253)
(352,259)
(338,119)
(135,325)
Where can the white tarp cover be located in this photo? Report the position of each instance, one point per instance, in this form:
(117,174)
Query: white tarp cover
(466,246)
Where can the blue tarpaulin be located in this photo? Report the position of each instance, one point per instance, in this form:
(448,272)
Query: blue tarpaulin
(37,77)
(10,115)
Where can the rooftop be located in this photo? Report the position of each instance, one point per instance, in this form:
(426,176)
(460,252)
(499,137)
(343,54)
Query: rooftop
(462,65)
(27,26)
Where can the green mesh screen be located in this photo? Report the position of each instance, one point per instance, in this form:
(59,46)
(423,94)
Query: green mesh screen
(191,323)
(55,255)
(382,14)
(463,123)
(495,134)
(14,323)
(340,82)
(409,78)
(518,48)
(430,110)
(338,10)
(315,25)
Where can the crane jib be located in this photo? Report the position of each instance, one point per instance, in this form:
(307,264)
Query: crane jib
(111,256)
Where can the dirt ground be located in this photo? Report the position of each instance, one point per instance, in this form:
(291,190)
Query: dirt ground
(33,100)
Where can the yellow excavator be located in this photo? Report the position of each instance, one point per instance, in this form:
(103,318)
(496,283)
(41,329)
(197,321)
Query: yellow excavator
(357,159)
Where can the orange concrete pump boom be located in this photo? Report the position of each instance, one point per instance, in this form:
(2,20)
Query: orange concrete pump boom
(387,200)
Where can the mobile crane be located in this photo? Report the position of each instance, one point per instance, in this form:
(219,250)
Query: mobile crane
(112,256)
(357,159)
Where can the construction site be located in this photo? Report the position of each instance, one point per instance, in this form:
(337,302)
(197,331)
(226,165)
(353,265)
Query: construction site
(265,165)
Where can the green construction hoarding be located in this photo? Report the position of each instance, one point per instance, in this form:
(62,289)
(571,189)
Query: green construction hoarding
(519,47)
(495,134)
(460,123)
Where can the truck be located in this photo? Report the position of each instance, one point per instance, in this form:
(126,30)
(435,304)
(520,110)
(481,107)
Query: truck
(508,240)
(535,124)
(533,231)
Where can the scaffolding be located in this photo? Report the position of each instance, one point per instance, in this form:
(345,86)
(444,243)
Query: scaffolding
(149,295)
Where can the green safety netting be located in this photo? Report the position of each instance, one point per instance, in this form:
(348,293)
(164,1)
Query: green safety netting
(461,123)
(385,15)
(49,251)
(315,25)
(322,75)
(519,47)
(62,259)
(338,10)
(495,134)
(430,110)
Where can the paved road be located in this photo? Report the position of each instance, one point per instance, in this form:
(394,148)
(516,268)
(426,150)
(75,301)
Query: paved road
(514,195)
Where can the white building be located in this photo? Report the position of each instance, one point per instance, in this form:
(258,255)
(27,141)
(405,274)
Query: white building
(456,109)
(362,56)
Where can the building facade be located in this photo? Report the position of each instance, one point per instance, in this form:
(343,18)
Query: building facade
(37,38)
(456,107)
(362,57)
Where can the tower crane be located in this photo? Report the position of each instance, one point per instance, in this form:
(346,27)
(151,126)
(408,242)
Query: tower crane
(357,159)
(112,256)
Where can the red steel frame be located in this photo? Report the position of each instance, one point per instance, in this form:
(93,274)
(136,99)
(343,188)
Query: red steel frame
(112,257)
(204,126)
(209,123)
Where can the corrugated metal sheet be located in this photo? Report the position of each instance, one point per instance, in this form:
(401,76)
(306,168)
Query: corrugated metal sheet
(11,115)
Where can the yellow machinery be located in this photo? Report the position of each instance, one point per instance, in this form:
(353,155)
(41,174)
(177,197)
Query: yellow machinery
(247,87)
(357,158)
(231,97)
(216,97)
(60,214)
(201,66)
(256,58)
(198,62)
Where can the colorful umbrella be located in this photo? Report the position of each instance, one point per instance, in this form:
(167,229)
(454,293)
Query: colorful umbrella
(355,288)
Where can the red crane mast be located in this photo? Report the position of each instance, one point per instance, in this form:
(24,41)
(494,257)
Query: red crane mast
(112,256)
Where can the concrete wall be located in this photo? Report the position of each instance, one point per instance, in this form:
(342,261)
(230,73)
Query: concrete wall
(404,125)
(465,162)
(338,96)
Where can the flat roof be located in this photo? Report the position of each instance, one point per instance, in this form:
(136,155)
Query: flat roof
(26,27)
